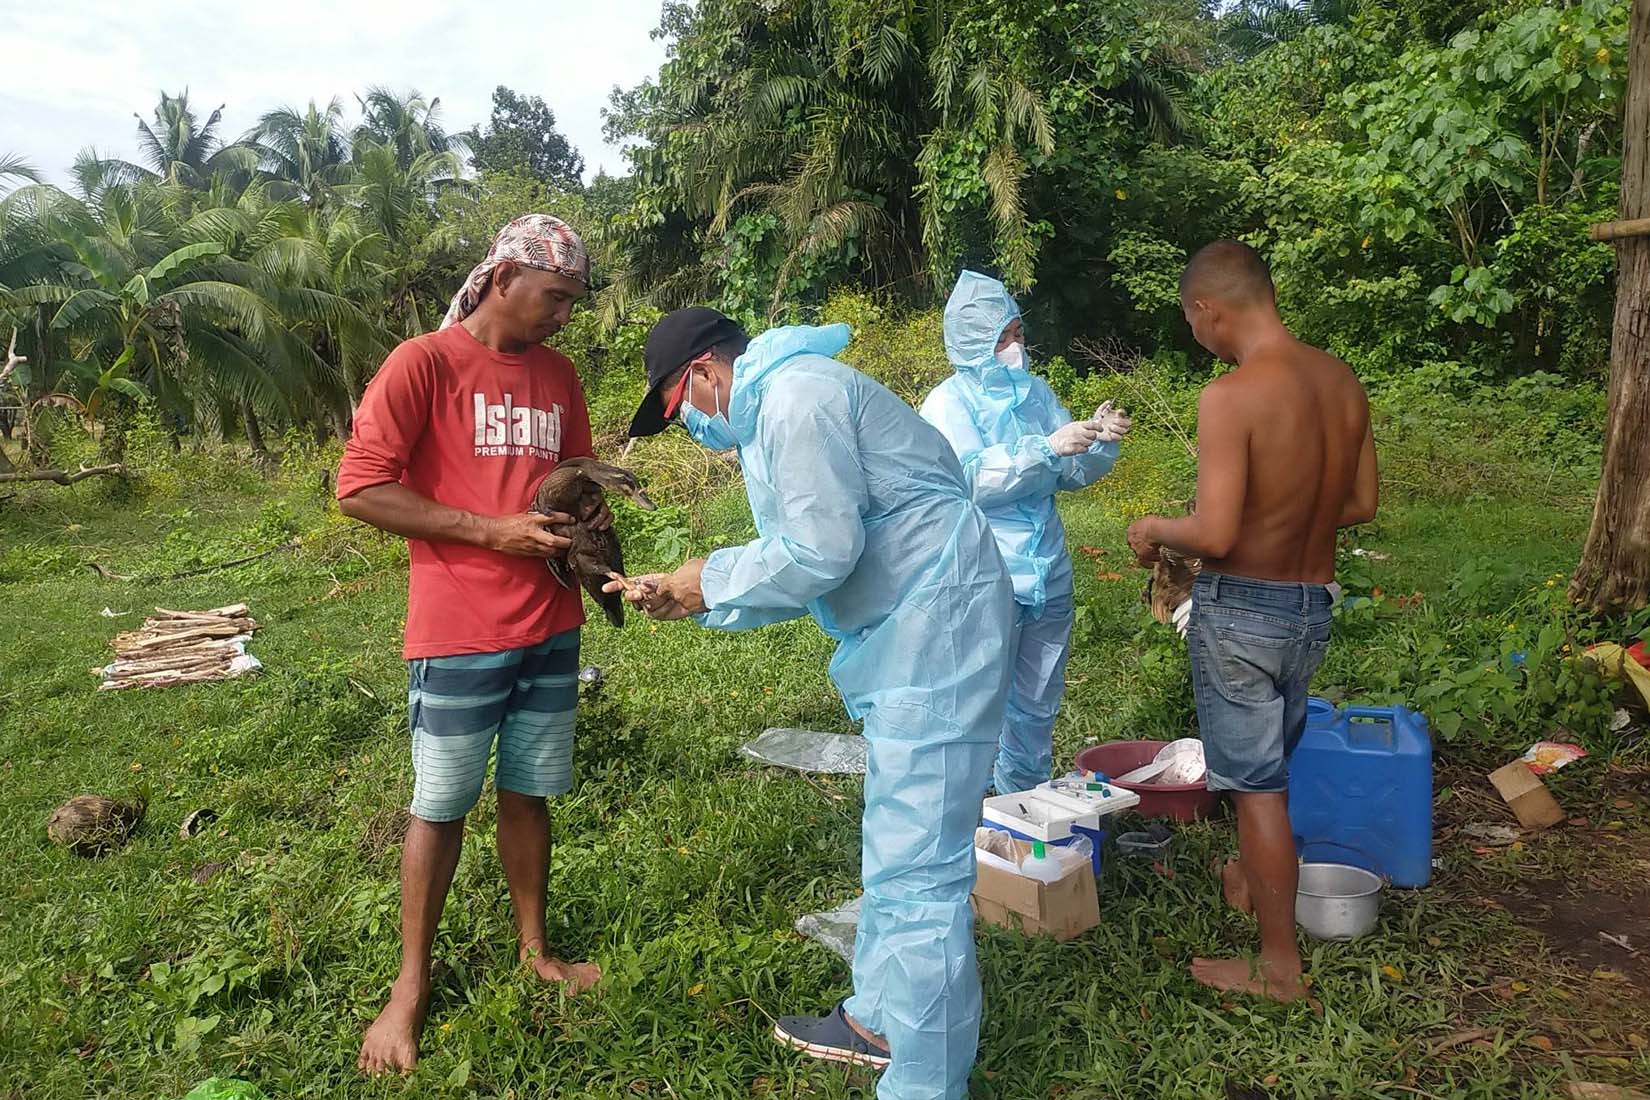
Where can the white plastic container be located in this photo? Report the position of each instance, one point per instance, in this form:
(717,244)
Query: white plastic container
(1047,864)
(1038,814)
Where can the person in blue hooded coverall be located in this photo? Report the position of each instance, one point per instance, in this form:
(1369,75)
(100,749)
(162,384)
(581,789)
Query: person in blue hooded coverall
(864,522)
(1018,447)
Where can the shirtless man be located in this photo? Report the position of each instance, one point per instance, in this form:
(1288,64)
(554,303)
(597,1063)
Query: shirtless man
(1285,459)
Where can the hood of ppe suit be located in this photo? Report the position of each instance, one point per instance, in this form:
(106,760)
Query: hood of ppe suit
(764,355)
(976,314)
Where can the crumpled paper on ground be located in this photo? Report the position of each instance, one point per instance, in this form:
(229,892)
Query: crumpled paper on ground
(834,928)
(1549,756)
(809,751)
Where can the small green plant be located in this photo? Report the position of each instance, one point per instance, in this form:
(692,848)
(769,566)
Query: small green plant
(654,541)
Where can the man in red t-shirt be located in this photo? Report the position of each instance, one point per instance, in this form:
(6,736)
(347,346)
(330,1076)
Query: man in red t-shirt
(453,437)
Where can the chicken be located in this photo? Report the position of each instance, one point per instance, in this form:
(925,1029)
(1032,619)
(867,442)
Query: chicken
(576,487)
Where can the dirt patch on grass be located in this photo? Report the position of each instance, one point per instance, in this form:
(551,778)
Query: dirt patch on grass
(1594,928)
(1582,887)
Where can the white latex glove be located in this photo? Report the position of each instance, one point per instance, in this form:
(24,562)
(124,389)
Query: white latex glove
(1112,423)
(1074,439)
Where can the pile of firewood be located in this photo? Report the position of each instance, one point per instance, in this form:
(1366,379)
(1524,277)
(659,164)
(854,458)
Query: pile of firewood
(182,647)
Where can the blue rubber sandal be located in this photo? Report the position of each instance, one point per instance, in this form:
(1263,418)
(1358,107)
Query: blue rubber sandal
(829,1038)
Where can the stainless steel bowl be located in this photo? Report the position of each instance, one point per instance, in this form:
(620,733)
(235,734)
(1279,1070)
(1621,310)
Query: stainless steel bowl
(1336,901)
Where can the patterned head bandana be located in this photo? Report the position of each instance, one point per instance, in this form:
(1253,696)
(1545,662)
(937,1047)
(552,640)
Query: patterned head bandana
(532,240)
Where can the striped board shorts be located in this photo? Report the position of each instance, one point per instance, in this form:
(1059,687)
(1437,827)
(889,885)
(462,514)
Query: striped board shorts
(525,700)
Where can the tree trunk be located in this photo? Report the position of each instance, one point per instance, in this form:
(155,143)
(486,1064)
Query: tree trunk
(1615,564)
(254,430)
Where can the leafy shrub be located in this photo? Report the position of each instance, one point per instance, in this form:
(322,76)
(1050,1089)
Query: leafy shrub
(905,352)
(609,364)
(1497,663)
(29,564)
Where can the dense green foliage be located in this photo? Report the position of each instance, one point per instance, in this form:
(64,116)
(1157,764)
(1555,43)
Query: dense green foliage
(228,283)
(1420,175)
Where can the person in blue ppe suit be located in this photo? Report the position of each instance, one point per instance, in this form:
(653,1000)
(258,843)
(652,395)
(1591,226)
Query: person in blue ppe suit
(864,522)
(1019,446)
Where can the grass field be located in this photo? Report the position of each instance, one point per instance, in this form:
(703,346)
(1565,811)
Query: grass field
(262,947)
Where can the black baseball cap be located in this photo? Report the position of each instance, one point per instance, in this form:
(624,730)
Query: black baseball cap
(676,338)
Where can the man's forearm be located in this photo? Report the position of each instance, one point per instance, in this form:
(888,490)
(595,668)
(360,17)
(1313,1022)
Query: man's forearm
(397,509)
(1187,535)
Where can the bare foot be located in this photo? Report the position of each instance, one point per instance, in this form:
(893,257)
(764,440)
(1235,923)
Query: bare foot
(391,1043)
(1235,884)
(574,977)
(1246,976)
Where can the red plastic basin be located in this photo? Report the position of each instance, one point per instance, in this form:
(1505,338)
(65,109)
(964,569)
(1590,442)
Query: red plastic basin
(1176,801)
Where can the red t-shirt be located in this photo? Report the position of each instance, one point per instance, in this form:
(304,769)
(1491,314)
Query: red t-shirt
(472,428)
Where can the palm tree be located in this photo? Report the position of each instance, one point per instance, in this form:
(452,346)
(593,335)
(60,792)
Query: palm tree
(175,149)
(179,149)
(1251,26)
(14,167)
(217,311)
(307,151)
(394,201)
(893,146)
(409,125)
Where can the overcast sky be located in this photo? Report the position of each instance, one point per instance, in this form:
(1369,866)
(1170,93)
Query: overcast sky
(75,71)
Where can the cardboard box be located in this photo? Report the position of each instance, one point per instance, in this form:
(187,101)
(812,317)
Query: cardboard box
(1063,909)
(1527,795)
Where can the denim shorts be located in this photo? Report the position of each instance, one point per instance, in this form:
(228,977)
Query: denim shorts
(524,700)
(1254,646)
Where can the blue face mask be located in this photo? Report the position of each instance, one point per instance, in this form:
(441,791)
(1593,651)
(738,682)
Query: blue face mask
(713,432)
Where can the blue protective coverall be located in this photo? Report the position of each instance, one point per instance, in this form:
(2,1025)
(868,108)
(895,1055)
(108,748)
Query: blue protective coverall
(998,420)
(865,523)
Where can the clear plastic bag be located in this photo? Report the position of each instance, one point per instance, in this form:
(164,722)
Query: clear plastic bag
(809,751)
(834,928)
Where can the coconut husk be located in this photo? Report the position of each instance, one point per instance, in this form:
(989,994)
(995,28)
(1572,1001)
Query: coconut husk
(91,825)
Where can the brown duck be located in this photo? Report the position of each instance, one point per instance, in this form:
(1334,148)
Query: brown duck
(1171,581)
(576,487)
(1171,584)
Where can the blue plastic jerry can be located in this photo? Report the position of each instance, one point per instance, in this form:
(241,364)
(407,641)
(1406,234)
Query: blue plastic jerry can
(1360,790)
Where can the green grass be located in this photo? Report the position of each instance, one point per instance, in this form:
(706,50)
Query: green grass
(678,866)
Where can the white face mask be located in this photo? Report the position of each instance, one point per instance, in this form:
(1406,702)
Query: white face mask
(1013,357)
